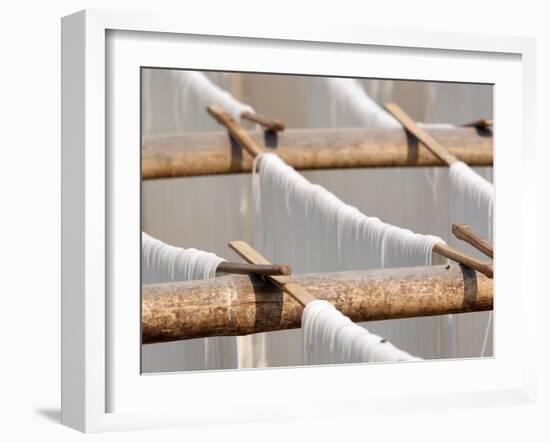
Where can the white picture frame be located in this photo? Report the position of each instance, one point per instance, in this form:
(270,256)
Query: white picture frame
(101,388)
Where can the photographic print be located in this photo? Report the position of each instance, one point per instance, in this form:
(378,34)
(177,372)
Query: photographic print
(292,220)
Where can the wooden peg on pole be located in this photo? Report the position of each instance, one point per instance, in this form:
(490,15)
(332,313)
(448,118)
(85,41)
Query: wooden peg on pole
(269,123)
(482,123)
(241,268)
(465,233)
(420,134)
(448,252)
(235,130)
(286,283)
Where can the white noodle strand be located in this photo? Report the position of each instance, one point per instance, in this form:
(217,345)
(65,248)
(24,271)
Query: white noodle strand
(329,337)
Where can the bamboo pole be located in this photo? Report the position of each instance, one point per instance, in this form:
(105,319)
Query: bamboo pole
(239,305)
(212,153)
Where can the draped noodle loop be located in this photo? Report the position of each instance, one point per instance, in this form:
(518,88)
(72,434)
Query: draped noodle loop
(350,98)
(311,221)
(201,86)
(163,262)
(329,337)
(472,199)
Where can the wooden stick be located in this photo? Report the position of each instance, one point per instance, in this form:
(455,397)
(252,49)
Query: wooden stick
(242,268)
(468,261)
(235,130)
(239,305)
(209,153)
(465,233)
(423,136)
(286,283)
(483,122)
(268,123)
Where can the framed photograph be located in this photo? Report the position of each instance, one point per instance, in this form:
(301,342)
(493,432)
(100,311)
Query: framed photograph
(273,223)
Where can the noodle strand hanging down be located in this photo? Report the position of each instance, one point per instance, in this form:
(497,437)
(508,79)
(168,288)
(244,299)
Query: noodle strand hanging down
(329,337)
(175,101)
(351,104)
(350,100)
(472,199)
(162,262)
(308,224)
(209,93)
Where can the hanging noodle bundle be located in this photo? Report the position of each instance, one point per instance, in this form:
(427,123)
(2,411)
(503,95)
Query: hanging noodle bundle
(329,337)
(209,93)
(163,262)
(471,199)
(350,99)
(311,227)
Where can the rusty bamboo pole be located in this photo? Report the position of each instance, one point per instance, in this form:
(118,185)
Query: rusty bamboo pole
(239,305)
(212,153)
